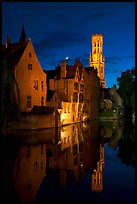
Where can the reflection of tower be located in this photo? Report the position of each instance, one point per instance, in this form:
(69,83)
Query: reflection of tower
(96,57)
(97,178)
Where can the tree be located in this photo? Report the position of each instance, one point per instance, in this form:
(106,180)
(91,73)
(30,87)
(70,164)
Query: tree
(126,88)
(10,95)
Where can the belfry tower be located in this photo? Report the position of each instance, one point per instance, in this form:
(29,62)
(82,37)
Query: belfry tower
(96,59)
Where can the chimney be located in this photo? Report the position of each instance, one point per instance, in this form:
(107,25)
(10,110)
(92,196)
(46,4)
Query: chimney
(63,69)
(7,41)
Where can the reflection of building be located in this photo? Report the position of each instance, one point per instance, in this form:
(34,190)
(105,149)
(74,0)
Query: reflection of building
(29,170)
(97,177)
(69,160)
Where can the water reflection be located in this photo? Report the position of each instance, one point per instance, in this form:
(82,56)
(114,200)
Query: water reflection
(40,161)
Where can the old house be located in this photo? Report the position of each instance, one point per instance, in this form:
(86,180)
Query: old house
(68,80)
(27,71)
(31,88)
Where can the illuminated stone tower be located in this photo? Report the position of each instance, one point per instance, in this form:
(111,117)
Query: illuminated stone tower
(96,57)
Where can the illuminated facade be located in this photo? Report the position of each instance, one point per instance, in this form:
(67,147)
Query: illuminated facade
(70,156)
(96,59)
(28,73)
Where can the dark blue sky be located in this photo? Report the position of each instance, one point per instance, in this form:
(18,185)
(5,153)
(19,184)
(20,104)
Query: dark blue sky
(63,29)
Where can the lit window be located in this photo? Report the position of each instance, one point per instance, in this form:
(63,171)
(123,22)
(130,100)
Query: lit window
(28,101)
(30,66)
(36,84)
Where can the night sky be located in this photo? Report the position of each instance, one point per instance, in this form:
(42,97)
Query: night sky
(64,29)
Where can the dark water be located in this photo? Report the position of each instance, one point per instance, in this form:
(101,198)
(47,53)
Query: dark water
(90,162)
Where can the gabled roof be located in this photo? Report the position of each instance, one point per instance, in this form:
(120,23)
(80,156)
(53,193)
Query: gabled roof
(13,53)
(70,74)
(71,70)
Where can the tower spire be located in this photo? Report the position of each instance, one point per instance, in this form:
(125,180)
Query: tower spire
(23,35)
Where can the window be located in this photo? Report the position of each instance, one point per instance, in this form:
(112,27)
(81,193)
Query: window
(28,101)
(68,110)
(29,54)
(42,100)
(81,87)
(80,97)
(75,97)
(35,166)
(42,86)
(65,109)
(74,149)
(36,84)
(73,107)
(76,85)
(68,139)
(65,139)
(30,66)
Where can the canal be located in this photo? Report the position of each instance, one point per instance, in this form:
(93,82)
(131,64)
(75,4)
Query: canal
(80,163)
